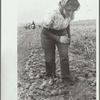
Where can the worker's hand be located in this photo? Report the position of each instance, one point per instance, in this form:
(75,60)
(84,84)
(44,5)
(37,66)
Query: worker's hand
(64,39)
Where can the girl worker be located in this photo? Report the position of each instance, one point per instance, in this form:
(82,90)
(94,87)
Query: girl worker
(56,32)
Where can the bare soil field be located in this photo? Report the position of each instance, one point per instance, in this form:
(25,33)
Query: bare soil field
(82,56)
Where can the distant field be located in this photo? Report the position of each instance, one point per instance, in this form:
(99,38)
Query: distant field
(82,56)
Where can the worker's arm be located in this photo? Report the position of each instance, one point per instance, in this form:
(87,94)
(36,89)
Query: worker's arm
(68,30)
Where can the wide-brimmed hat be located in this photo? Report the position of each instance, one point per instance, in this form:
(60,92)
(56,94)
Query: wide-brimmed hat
(69,4)
(62,3)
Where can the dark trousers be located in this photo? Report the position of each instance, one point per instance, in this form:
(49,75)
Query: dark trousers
(48,45)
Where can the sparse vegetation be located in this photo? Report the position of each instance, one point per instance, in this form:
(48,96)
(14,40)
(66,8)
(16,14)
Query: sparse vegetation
(82,56)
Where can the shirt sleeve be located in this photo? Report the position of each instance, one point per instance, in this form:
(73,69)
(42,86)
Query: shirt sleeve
(48,19)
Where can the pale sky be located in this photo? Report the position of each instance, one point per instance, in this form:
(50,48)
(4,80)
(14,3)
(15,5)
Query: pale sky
(29,10)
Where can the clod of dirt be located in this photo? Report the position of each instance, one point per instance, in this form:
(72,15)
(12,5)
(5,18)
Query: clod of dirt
(38,76)
(25,91)
(30,74)
(42,54)
(30,93)
(43,84)
(27,86)
(41,87)
(21,89)
(54,92)
(81,78)
(32,81)
(41,75)
(47,89)
(26,69)
(31,77)
(50,82)
(29,98)
(19,84)
(61,98)
(90,75)
(94,83)
(42,72)
(63,91)
(55,79)
(42,99)
(59,81)
(32,86)
(77,70)
(86,75)
(91,79)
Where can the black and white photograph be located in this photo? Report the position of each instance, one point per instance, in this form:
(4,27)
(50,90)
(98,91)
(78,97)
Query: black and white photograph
(56,50)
